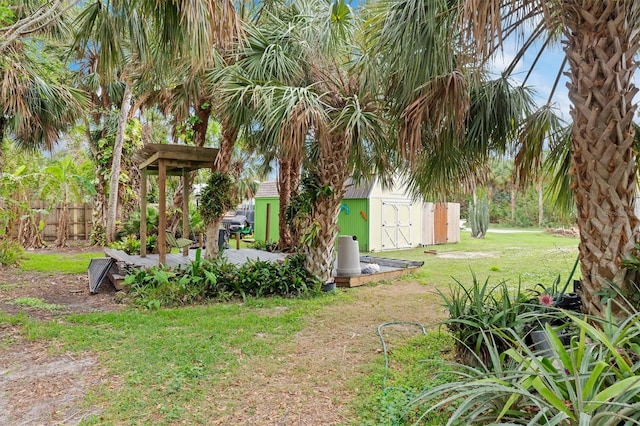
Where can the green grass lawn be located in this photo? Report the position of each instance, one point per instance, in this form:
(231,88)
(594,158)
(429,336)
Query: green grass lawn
(531,257)
(76,263)
(167,360)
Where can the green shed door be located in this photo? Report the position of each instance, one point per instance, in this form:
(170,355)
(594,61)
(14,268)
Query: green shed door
(260,219)
(353,219)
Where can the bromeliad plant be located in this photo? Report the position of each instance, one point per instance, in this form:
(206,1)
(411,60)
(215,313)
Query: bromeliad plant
(482,309)
(593,381)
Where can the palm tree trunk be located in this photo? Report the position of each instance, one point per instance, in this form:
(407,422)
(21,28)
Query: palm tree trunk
(63,226)
(332,171)
(288,182)
(3,126)
(285,241)
(513,203)
(601,47)
(222,164)
(540,201)
(112,207)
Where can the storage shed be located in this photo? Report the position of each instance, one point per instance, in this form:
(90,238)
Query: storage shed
(266,200)
(381,219)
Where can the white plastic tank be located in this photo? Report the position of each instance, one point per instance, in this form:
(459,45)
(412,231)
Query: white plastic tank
(348,256)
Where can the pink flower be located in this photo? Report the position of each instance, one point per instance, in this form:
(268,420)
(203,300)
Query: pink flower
(546,300)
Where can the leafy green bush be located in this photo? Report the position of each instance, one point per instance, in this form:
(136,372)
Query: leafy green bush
(485,309)
(595,380)
(219,280)
(270,246)
(262,278)
(131,244)
(132,225)
(217,197)
(10,252)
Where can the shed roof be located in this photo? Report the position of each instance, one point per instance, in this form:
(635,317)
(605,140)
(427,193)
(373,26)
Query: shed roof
(360,190)
(269,189)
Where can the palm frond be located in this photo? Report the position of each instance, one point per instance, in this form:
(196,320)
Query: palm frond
(441,105)
(486,23)
(271,54)
(497,106)
(558,165)
(366,130)
(536,129)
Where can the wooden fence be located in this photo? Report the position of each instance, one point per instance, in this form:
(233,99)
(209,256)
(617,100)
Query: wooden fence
(79,220)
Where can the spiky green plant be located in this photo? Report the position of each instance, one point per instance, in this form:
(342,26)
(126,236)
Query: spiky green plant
(479,218)
(595,380)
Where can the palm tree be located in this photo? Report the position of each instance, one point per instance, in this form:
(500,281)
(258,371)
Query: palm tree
(270,54)
(36,105)
(312,105)
(600,41)
(123,31)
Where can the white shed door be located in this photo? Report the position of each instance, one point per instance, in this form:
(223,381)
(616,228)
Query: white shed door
(396,225)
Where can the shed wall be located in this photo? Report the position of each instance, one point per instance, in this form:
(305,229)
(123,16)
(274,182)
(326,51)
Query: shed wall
(405,233)
(453,222)
(428,211)
(428,223)
(260,219)
(353,219)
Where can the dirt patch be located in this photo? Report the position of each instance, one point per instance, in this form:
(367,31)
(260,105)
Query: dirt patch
(37,387)
(466,255)
(65,293)
(307,383)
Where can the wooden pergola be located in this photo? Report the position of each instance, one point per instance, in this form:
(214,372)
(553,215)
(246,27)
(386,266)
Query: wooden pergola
(169,160)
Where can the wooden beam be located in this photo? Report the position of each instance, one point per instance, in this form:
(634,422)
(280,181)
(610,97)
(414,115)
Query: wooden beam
(149,161)
(172,165)
(363,279)
(185,209)
(162,213)
(143,214)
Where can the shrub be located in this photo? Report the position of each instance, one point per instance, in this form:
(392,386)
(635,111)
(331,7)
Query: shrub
(262,278)
(219,280)
(132,225)
(10,252)
(131,244)
(270,246)
(217,197)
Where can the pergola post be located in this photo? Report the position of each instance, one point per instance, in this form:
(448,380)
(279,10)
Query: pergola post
(185,209)
(143,214)
(162,212)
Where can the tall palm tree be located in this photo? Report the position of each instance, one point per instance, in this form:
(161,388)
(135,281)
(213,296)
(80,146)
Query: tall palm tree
(36,105)
(600,41)
(271,54)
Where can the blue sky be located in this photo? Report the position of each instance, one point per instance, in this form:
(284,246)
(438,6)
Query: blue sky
(543,76)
